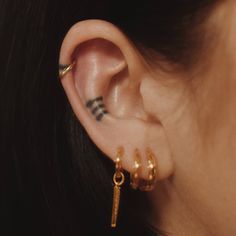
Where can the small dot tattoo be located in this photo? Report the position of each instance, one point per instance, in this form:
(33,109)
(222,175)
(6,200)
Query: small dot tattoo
(97,107)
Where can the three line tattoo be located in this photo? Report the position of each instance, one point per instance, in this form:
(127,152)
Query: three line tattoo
(97,107)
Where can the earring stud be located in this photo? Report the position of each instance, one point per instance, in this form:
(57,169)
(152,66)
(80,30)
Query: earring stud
(64,69)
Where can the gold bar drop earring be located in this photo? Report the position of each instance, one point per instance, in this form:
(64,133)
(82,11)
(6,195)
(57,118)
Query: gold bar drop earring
(118,179)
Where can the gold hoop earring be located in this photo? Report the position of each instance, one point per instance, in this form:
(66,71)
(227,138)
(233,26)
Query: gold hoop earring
(149,184)
(134,176)
(118,179)
(64,69)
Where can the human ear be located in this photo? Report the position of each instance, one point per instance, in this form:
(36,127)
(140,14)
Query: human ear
(104,91)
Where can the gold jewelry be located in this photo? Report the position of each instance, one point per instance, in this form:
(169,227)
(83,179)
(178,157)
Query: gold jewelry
(64,69)
(149,184)
(118,179)
(134,176)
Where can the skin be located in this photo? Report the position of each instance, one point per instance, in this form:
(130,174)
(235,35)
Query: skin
(186,117)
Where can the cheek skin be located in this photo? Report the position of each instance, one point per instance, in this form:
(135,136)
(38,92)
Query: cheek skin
(216,102)
(216,96)
(200,123)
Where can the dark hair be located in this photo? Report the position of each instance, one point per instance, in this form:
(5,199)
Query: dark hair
(54,180)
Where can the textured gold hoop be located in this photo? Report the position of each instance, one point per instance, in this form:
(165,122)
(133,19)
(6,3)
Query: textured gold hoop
(149,184)
(134,176)
(64,69)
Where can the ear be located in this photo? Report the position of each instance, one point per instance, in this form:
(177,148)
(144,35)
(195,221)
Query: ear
(104,90)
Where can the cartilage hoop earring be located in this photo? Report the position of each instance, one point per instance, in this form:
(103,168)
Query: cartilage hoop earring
(64,69)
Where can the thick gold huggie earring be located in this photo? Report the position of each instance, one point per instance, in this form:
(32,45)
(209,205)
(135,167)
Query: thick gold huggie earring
(134,176)
(64,69)
(118,179)
(149,184)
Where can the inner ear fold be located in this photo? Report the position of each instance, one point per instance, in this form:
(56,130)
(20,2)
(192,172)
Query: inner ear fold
(102,70)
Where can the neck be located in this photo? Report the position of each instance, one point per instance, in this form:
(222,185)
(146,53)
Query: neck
(172,216)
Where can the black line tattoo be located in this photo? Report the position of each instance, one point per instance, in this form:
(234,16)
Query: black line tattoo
(95,110)
(97,107)
(91,101)
(100,116)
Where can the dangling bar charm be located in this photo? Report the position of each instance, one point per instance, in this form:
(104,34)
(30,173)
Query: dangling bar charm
(115,207)
(118,180)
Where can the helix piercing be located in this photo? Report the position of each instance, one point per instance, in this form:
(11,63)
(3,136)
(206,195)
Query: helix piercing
(64,69)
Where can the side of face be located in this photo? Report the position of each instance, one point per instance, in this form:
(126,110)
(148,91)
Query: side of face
(202,131)
(189,123)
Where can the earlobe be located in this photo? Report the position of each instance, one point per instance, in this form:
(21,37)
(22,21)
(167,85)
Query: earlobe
(103,89)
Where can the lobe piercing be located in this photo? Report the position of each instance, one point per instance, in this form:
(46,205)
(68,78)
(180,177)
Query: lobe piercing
(134,175)
(118,179)
(149,184)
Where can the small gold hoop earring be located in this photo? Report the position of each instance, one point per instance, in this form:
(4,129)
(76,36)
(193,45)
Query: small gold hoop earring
(134,176)
(64,69)
(118,179)
(149,184)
